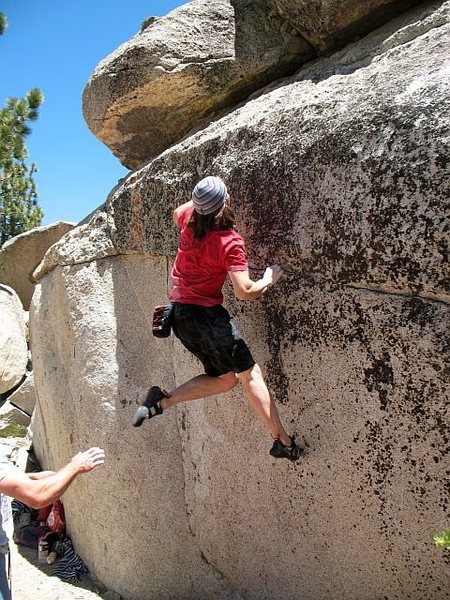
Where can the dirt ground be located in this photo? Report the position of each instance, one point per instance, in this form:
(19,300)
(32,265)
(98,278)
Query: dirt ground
(32,581)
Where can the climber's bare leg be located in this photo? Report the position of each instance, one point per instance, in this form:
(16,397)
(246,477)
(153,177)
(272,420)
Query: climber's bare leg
(201,386)
(263,404)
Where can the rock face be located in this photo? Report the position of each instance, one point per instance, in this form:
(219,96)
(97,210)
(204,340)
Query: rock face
(329,24)
(13,344)
(341,175)
(21,255)
(24,397)
(97,324)
(182,70)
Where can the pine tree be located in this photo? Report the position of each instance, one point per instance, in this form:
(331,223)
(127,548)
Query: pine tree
(3,23)
(19,210)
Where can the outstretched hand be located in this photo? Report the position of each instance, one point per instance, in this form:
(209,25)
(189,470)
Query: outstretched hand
(272,274)
(88,460)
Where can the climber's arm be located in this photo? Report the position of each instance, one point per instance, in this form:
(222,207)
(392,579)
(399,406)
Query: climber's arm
(247,289)
(180,209)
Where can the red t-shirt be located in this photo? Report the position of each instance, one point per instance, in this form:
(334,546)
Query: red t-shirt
(201,266)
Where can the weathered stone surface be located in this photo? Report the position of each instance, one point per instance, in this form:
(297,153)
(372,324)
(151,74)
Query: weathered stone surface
(180,68)
(13,345)
(330,24)
(25,396)
(92,361)
(368,399)
(85,243)
(21,255)
(341,175)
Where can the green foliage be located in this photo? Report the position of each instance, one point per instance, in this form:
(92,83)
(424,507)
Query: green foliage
(442,540)
(3,23)
(19,210)
(13,430)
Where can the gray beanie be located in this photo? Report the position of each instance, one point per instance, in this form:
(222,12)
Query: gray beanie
(209,195)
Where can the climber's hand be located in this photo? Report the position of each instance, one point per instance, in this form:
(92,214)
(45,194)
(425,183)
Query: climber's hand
(272,274)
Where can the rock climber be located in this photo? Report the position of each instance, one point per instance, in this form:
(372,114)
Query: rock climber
(36,490)
(209,249)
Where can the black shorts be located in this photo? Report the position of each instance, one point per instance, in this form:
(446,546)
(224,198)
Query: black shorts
(210,334)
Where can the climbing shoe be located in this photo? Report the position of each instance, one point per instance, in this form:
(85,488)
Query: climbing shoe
(292,452)
(150,407)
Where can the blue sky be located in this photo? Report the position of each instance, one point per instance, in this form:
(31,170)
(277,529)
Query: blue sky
(55,45)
